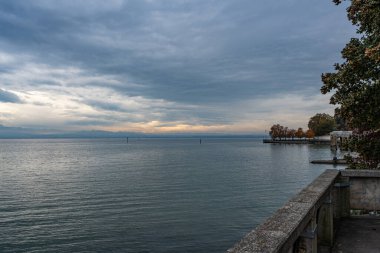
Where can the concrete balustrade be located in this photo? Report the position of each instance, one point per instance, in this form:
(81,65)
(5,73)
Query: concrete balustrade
(308,222)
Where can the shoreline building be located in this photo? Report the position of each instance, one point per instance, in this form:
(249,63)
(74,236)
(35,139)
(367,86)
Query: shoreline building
(339,138)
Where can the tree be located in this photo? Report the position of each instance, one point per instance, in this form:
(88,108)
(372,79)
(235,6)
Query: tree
(291,133)
(300,134)
(275,131)
(356,81)
(367,145)
(340,122)
(285,132)
(321,124)
(310,134)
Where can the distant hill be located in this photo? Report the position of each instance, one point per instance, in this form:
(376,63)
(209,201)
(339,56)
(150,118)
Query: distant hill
(17,132)
(31,133)
(20,132)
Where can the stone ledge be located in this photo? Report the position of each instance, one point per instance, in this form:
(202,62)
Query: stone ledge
(281,230)
(360,173)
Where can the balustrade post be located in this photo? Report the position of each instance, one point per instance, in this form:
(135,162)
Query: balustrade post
(326,222)
(307,242)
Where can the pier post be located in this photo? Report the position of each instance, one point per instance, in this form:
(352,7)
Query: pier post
(333,142)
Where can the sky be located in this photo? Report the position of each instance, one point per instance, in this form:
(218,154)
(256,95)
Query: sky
(167,66)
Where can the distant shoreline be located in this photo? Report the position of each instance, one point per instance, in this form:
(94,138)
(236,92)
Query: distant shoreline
(136,137)
(302,141)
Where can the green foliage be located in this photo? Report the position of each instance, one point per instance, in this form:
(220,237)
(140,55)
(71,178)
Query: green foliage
(356,82)
(367,144)
(321,124)
(340,122)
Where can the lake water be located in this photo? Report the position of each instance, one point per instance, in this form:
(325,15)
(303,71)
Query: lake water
(148,195)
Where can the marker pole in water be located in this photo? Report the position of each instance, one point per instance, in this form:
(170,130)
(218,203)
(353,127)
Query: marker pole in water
(200,141)
(127,140)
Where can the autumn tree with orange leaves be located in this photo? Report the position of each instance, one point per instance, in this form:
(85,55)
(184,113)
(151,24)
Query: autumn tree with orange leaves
(280,132)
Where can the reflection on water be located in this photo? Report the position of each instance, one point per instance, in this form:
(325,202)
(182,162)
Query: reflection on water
(147,195)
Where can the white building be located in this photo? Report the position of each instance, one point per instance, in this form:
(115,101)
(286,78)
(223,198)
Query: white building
(339,137)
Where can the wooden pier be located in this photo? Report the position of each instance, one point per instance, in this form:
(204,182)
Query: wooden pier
(337,161)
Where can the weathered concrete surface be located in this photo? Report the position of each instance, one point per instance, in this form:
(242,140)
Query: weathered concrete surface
(272,234)
(365,193)
(341,195)
(360,173)
(358,235)
(308,221)
(364,189)
(279,232)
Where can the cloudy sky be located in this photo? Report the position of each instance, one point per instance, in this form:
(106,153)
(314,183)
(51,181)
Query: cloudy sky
(158,66)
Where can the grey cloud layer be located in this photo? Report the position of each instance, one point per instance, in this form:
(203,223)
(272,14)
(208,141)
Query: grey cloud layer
(209,53)
(9,97)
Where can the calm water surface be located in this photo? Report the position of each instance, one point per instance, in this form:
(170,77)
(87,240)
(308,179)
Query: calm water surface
(148,195)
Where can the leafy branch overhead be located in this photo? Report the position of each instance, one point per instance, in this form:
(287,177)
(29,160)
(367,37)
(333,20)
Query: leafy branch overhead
(355,84)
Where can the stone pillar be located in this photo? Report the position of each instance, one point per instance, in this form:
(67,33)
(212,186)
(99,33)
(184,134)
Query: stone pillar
(341,196)
(326,222)
(307,242)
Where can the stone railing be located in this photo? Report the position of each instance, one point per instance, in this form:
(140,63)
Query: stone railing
(364,189)
(307,222)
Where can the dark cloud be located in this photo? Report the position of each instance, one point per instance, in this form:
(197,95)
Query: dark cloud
(90,123)
(185,50)
(211,53)
(9,97)
(104,105)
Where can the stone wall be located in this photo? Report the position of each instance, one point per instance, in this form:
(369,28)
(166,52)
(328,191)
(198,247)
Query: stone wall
(307,222)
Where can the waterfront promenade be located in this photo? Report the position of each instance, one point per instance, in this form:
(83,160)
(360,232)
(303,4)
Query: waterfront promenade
(358,235)
(323,217)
